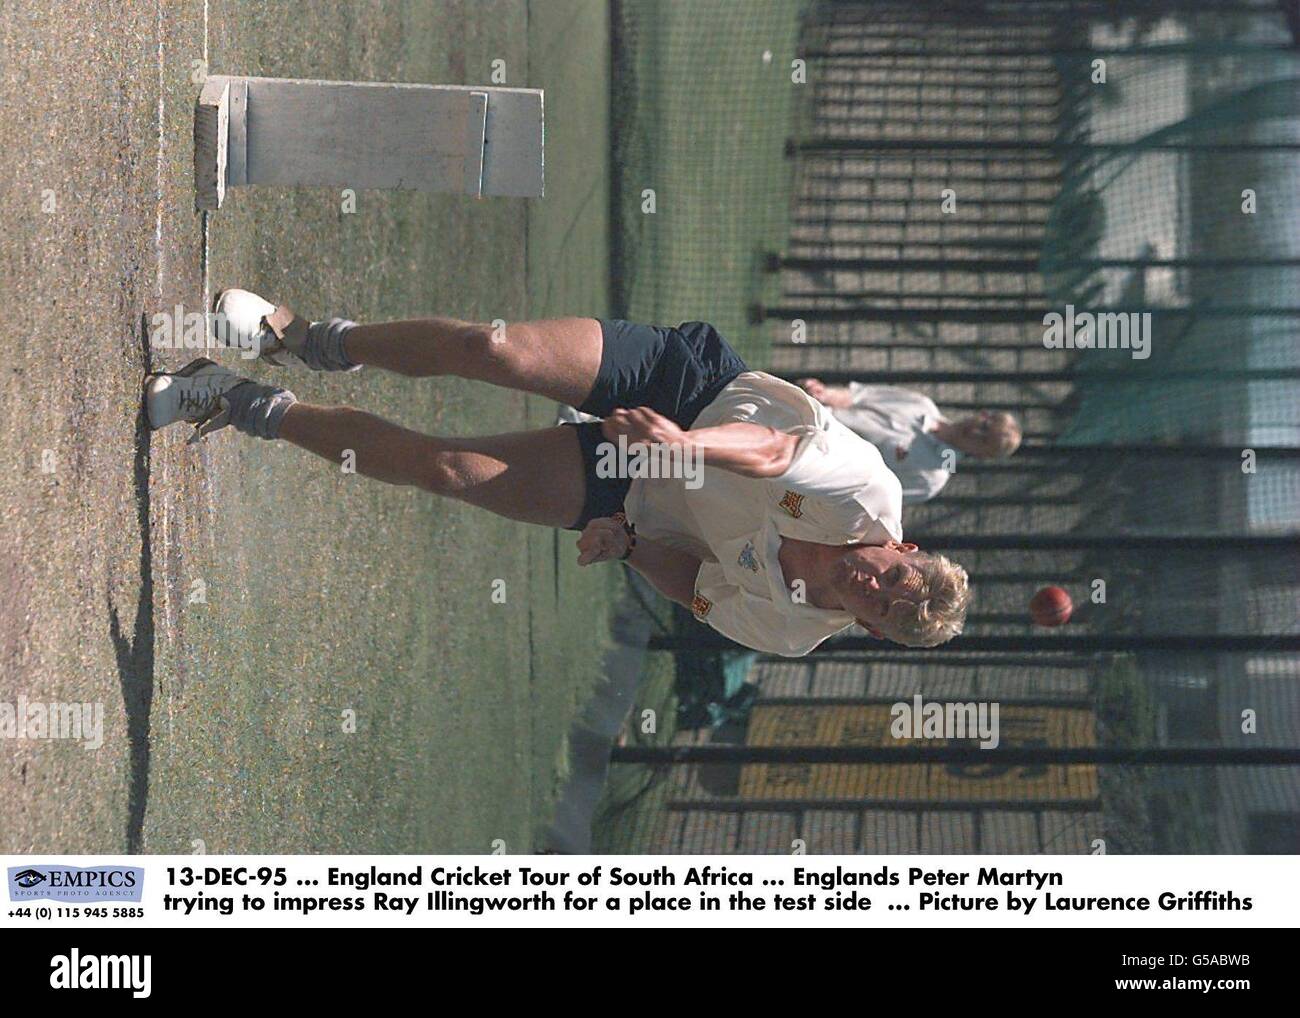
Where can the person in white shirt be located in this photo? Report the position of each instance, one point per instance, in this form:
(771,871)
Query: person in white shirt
(804,549)
(917,442)
(779,529)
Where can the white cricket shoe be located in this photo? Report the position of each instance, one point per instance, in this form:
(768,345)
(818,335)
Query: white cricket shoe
(195,394)
(243,320)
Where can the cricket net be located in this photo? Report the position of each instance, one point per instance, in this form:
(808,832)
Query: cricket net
(952,173)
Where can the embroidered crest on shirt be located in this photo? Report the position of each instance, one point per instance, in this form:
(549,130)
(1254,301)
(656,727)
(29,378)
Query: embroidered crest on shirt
(792,503)
(747,557)
(700,605)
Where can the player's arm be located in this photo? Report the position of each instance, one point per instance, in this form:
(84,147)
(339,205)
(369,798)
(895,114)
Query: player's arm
(670,571)
(752,450)
(834,396)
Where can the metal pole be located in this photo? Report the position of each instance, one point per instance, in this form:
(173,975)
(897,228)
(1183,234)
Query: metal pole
(1044,149)
(1019,501)
(970,58)
(793,147)
(1150,451)
(1109,542)
(1063,579)
(836,200)
(990,80)
(995,175)
(820,702)
(876,9)
(1131,756)
(734,805)
(774,262)
(1005,316)
(918,658)
(1143,378)
(1021,407)
(839,108)
(1035,465)
(1032,345)
(710,640)
(1002,300)
(819,219)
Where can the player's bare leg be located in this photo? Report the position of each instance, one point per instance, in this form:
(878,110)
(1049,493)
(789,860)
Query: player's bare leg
(532,476)
(557,358)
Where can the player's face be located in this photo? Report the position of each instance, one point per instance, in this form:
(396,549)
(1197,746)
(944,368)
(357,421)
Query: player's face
(873,577)
(981,434)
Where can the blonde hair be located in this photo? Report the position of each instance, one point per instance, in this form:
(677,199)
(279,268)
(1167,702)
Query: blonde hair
(1007,430)
(940,611)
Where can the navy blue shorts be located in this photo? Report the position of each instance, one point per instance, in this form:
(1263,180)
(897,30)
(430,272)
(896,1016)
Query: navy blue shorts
(675,372)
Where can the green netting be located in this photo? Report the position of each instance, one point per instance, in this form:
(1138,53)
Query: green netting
(1125,195)
(703,99)
(1175,146)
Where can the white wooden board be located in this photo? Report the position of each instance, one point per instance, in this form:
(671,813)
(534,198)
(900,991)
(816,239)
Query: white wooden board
(211,130)
(286,133)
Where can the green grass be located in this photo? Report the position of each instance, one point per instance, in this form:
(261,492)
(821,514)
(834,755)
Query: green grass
(1147,809)
(634,794)
(329,601)
(702,120)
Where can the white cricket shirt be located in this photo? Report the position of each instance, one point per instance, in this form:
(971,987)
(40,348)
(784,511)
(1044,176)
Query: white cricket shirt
(836,491)
(897,422)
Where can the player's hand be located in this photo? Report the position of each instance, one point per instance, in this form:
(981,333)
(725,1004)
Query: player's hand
(827,395)
(641,424)
(602,540)
(813,386)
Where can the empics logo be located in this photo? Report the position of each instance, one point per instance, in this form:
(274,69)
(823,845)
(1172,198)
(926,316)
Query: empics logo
(76,883)
(77,971)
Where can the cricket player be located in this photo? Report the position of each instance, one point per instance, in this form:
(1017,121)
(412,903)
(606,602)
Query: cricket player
(917,442)
(787,533)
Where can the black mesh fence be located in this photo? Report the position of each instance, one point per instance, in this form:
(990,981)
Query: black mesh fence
(958,172)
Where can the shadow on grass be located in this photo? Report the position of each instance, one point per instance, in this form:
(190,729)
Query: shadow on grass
(135,657)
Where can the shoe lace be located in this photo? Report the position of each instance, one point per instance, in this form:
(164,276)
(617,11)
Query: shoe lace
(198,401)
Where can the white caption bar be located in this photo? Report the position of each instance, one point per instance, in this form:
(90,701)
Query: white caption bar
(652,891)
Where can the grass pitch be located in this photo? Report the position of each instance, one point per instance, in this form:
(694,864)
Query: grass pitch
(290,659)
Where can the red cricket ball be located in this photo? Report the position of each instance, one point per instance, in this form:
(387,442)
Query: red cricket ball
(1051,606)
